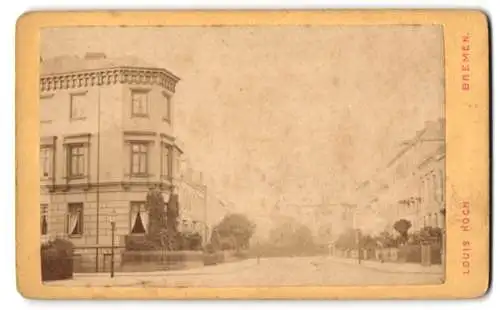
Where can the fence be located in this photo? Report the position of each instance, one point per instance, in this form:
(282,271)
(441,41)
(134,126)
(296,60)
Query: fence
(89,259)
(425,254)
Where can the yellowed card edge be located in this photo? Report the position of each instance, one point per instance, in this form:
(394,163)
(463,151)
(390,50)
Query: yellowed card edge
(467,152)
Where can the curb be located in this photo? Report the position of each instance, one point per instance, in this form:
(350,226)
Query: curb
(348,262)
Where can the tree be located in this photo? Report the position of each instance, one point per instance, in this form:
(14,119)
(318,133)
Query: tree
(385,240)
(234,231)
(348,240)
(402,226)
(155,205)
(325,233)
(291,234)
(368,242)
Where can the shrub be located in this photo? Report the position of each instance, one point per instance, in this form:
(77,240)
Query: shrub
(210,248)
(190,241)
(139,243)
(410,254)
(227,244)
(160,256)
(241,254)
(57,260)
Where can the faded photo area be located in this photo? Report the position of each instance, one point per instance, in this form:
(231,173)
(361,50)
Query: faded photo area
(242,156)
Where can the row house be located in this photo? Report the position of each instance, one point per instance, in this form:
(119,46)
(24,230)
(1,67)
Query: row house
(410,186)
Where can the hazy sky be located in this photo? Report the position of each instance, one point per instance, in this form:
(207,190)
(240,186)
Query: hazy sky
(288,111)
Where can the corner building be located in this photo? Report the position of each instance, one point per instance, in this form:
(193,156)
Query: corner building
(106,139)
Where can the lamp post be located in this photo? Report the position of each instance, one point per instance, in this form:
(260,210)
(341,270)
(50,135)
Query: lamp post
(112,220)
(443,236)
(205,212)
(358,242)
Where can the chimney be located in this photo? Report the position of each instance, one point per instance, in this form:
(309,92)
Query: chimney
(94,56)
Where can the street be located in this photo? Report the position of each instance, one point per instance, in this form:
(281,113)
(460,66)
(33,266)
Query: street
(282,271)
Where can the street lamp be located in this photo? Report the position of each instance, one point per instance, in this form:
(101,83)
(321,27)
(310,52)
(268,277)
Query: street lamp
(358,243)
(112,221)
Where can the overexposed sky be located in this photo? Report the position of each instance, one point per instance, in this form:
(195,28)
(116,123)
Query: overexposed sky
(292,112)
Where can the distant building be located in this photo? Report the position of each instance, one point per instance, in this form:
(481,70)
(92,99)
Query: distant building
(410,187)
(193,202)
(106,139)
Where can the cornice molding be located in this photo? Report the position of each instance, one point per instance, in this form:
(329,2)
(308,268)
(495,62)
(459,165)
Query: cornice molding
(110,76)
(123,186)
(139,133)
(167,137)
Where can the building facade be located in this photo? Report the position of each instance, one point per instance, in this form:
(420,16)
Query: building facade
(193,194)
(107,137)
(411,186)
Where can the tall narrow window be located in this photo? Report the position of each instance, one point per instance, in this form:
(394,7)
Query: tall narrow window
(76,161)
(166,161)
(435,187)
(77,109)
(75,219)
(139,103)
(138,218)
(139,159)
(44,219)
(167,99)
(46,106)
(46,162)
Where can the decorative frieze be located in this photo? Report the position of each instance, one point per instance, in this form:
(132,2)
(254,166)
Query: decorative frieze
(84,79)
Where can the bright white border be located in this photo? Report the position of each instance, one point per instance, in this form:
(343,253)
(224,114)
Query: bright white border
(11,10)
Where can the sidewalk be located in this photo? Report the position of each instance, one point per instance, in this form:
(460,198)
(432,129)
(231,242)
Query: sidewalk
(139,279)
(391,267)
(211,269)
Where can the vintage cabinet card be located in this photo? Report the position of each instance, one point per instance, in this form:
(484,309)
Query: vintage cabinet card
(253,155)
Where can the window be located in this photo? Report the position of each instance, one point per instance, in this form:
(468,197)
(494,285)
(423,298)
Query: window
(441,186)
(168,107)
(139,159)
(178,167)
(46,162)
(435,186)
(76,161)
(75,219)
(166,161)
(46,106)
(139,103)
(138,218)
(77,110)
(44,218)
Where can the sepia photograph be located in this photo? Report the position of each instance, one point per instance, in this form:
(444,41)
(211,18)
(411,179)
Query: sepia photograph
(242,156)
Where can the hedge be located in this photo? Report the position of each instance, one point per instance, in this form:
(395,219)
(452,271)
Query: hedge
(57,260)
(161,256)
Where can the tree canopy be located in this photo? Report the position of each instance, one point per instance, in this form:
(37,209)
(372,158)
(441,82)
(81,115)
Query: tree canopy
(402,226)
(233,232)
(291,234)
(348,239)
